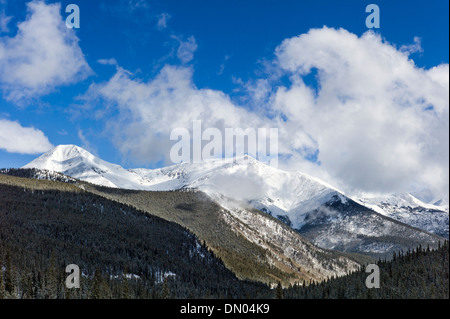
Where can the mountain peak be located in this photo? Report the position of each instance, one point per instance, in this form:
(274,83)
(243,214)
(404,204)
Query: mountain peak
(60,157)
(67,151)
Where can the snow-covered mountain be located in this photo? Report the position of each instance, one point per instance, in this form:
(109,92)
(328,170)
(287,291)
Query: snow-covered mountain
(281,193)
(410,210)
(324,214)
(76,162)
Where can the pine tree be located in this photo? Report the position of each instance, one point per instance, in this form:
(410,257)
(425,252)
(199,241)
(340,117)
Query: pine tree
(96,290)
(2,283)
(279,291)
(9,277)
(106,291)
(125,293)
(28,287)
(165,294)
(52,286)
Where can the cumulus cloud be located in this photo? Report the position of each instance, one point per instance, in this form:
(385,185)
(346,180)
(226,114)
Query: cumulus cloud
(373,122)
(148,111)
(44,54)
(379,122)
(15,138)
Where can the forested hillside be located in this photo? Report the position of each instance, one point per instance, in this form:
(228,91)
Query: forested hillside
(122,252)
(415,274)
(249,256)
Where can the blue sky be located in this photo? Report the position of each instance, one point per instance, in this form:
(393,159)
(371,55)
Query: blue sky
(231,50)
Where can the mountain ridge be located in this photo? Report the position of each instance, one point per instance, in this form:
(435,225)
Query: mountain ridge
(282,193)
(297,199)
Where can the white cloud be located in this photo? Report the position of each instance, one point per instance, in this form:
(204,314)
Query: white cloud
(108,62)
(186,49)
(86,144)
(412,48)
(379,122)
(162,20)
(134,5)
(4,21)
(15,138)
(148,111)
(222,66)
(43,55)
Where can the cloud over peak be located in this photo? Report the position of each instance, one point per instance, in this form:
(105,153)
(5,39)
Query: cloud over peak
(380,122)
(371,121)
(148,111)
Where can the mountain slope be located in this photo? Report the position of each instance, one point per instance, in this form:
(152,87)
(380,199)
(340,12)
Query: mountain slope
(408,209)
(244,184)
(278,192)
(351,227)
(283,255)
(44,231)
